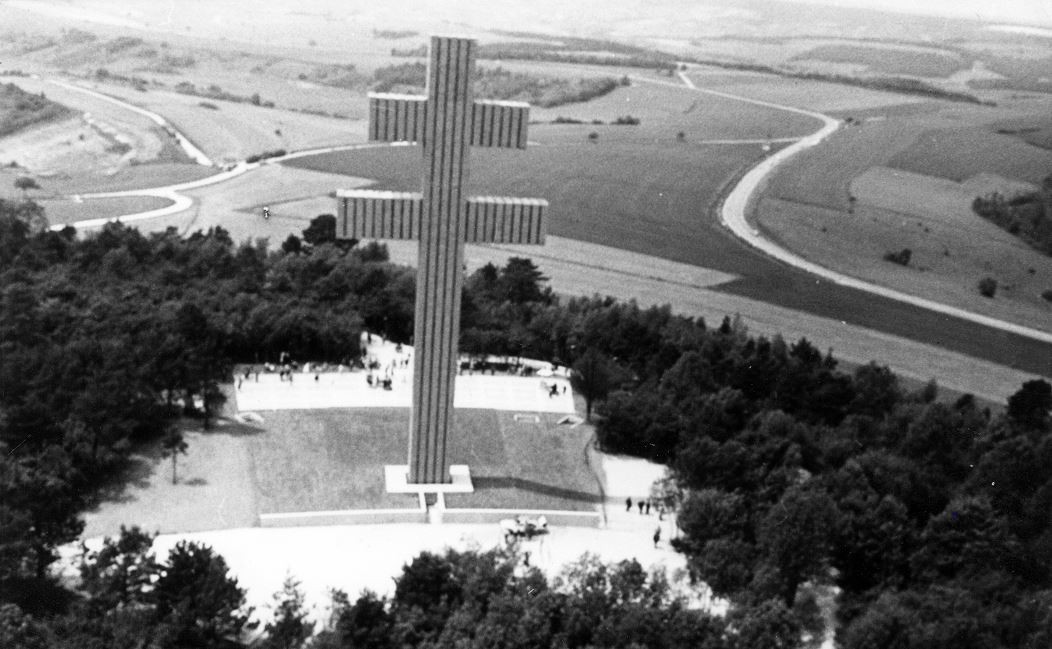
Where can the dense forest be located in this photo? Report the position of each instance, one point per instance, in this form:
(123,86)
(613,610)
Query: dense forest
(931,517)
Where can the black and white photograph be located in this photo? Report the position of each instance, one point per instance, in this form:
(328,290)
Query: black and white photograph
(548,324)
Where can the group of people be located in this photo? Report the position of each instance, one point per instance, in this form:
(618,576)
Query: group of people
(553,389)
(286,368)
(644,510)
(386,382)
(644,507)
(384,377)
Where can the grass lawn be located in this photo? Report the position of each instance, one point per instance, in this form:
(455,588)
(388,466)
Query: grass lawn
(213,491)
(334,459)
(67,211)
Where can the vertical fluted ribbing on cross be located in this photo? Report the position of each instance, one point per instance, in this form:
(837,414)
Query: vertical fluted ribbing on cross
(445,122)
(441,251)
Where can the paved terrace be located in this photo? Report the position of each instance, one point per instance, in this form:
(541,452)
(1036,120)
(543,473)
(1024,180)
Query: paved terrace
(351,389)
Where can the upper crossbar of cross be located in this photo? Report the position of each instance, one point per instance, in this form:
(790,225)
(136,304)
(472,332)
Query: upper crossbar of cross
(444,121)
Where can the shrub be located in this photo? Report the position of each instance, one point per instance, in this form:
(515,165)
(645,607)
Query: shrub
(207,104)
(1047,294)
(593,136)
(627,120)
(122,43)
(902,257)
(256,157)
(987,286)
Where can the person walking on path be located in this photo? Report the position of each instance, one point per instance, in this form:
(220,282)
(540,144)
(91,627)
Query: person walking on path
(628,504)
(648,508)
(657,535)
(640,504)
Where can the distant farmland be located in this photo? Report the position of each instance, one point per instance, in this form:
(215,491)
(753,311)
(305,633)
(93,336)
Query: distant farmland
(658,198)
(655,198)
(886,60)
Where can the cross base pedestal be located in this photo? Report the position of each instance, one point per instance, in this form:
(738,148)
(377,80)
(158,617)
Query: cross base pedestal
(396,480)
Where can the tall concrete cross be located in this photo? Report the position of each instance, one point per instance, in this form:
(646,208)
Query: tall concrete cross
(446,122)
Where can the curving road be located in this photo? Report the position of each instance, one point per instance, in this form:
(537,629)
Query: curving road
(735,208)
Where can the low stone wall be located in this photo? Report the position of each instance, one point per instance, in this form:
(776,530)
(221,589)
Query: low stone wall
(344,517)
(556,518)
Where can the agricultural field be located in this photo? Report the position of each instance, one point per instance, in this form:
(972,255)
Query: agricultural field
(914,62)
(302,460)
(628,189)
(633,187)
(233,131)
(665,108)
(950,251)
(913,171)
(658,198)
(1036,130)
(148,142)
(800,93)
(667,209)
(974,151)
(102,147)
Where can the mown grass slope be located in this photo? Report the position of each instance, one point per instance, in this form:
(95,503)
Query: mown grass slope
(334,459)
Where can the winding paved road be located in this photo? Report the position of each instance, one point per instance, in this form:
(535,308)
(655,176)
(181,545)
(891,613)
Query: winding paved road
(734,210)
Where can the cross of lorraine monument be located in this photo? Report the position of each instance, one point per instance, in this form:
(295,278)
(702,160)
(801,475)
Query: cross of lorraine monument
(446,122)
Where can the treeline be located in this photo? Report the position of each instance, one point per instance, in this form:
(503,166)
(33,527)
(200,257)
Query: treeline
(931,517)
(1027,216)
(526,53)
(476,600)
(107,340)
(19,109)
(498,83)
(126,599)
(564,49)
(576,50)
(215,92)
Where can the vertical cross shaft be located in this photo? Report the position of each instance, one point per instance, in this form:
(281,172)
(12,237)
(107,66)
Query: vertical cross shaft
(446,122)
(441,253)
